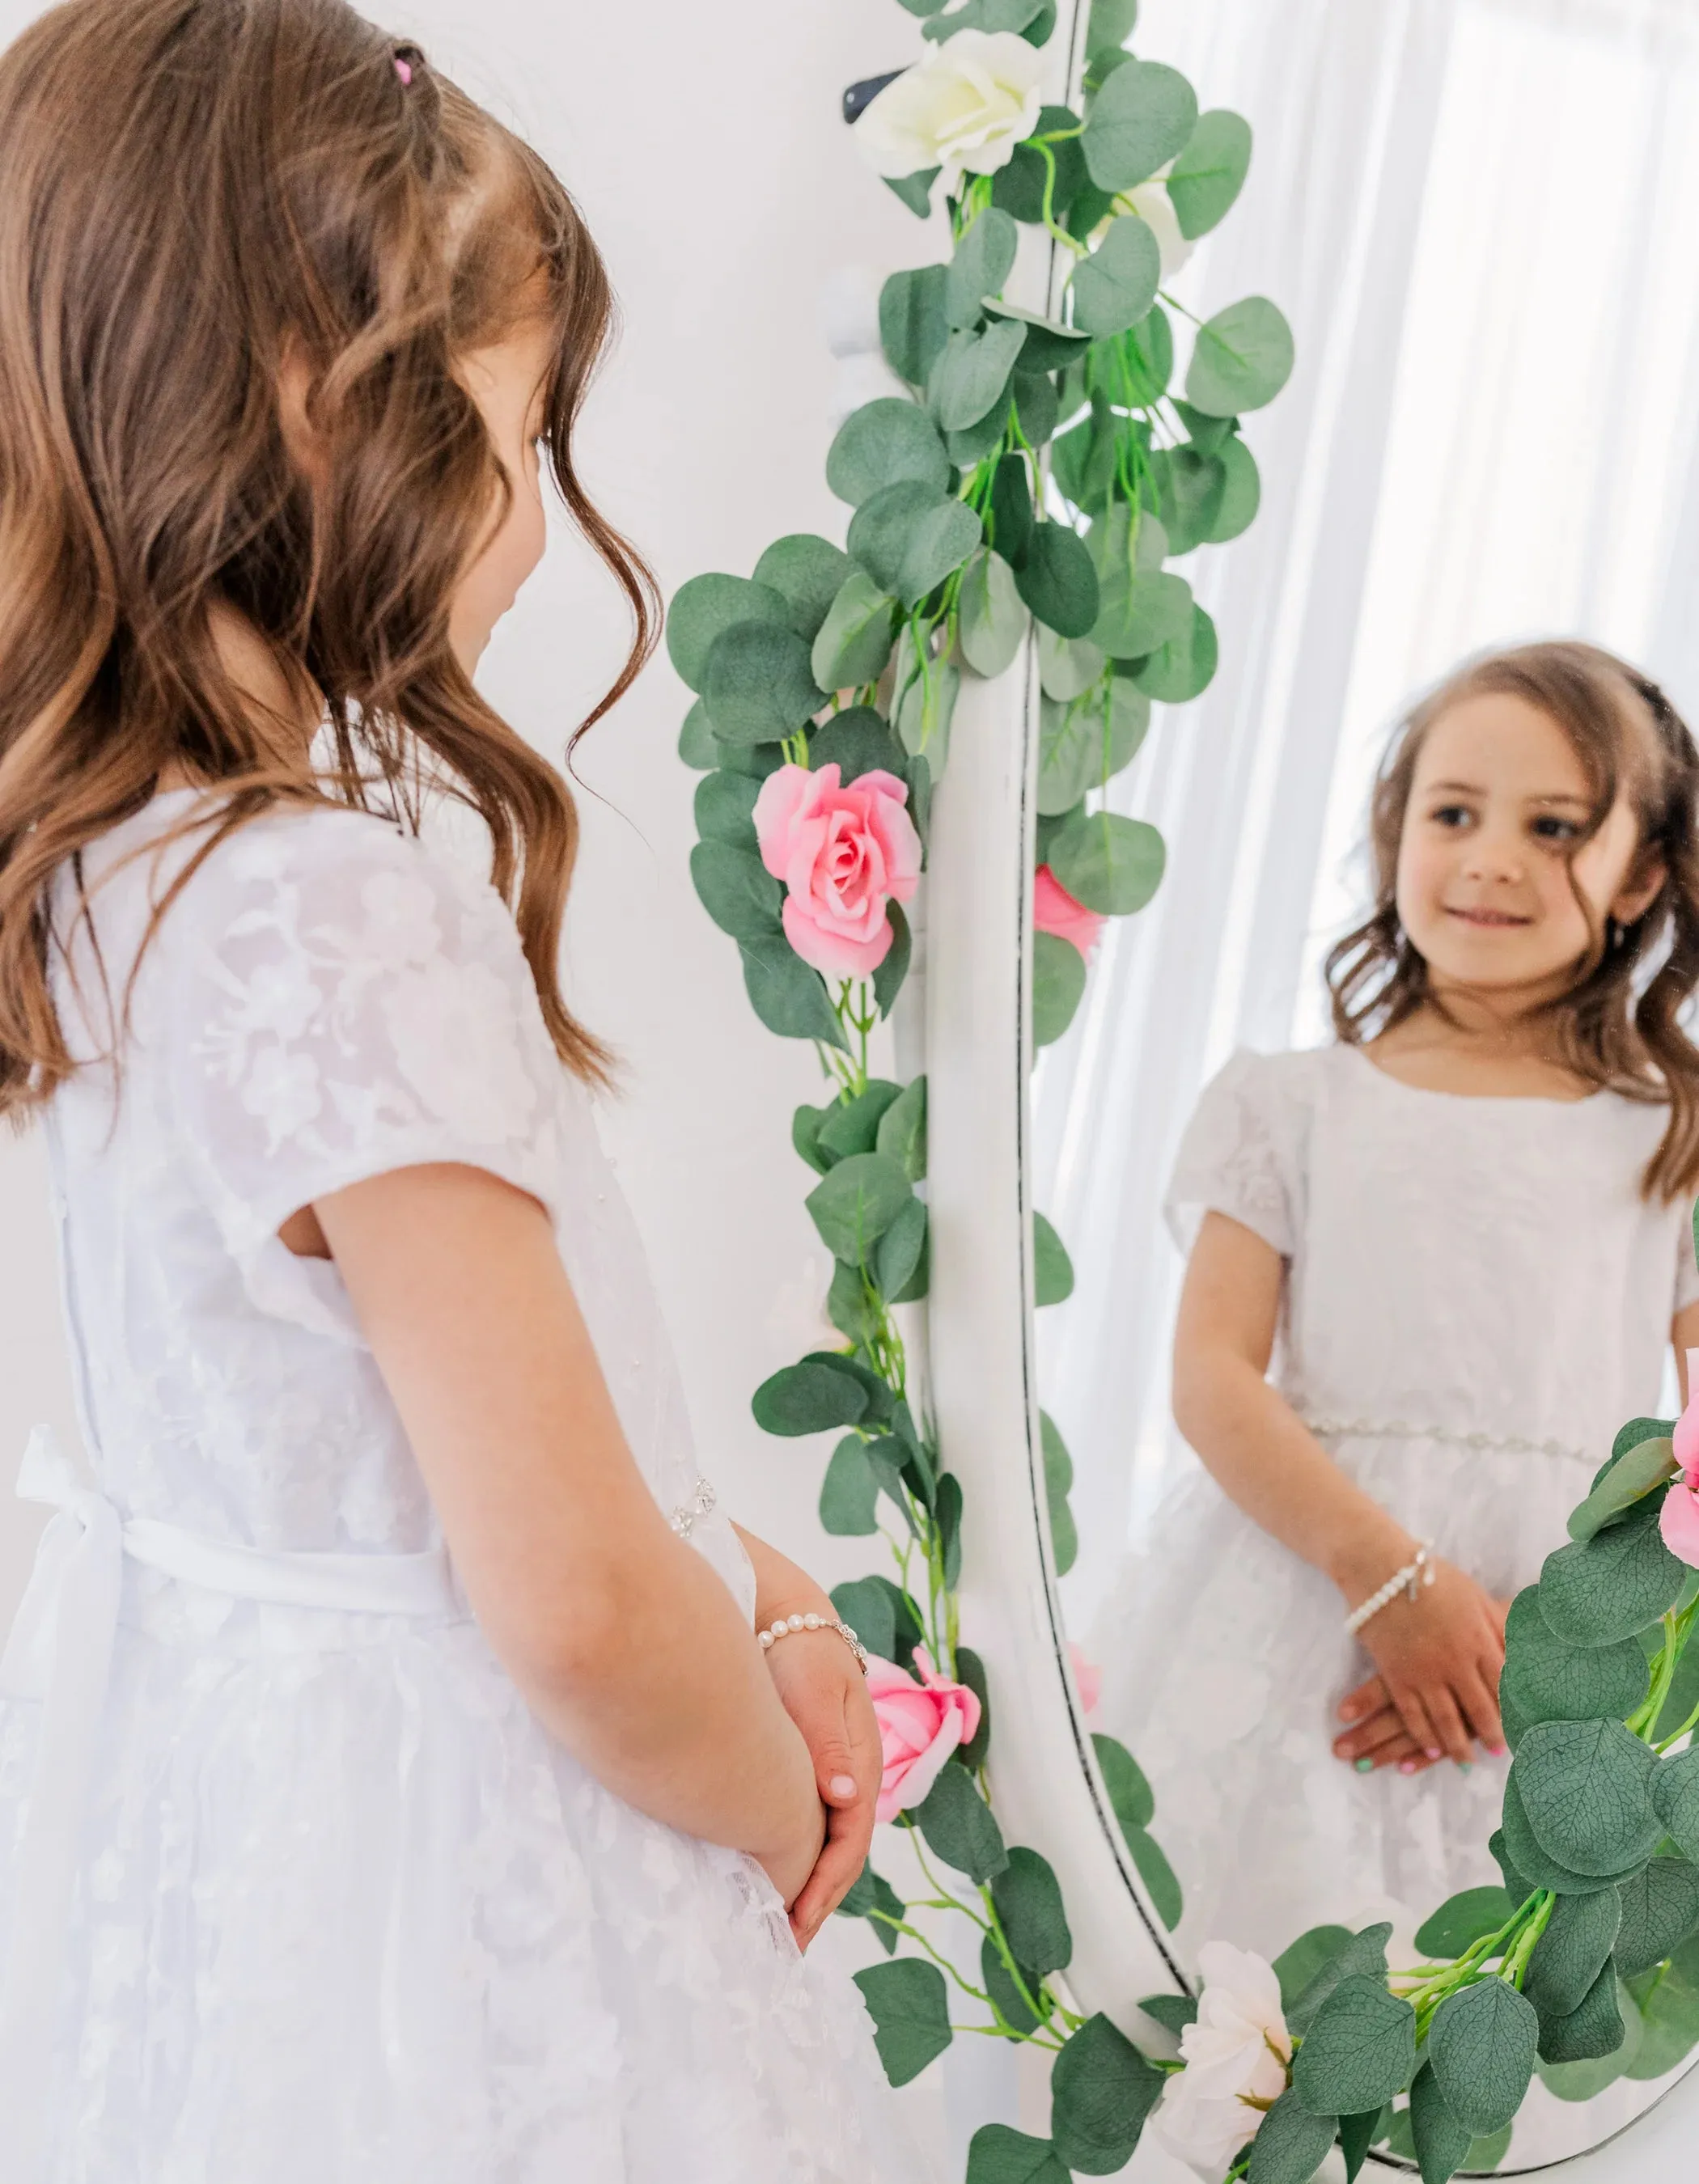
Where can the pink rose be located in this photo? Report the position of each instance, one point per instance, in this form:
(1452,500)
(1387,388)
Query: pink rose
(1678,1518)
(919,1725)
(1088,1678)
(1055,911)
(845,854)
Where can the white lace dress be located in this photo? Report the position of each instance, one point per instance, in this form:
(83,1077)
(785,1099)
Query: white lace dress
(332,1907)
(1476,1298)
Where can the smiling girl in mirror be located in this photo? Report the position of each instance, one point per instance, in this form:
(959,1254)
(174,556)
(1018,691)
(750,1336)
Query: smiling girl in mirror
(1460,1238)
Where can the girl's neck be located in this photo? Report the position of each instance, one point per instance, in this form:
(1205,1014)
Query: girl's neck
(1466,1044)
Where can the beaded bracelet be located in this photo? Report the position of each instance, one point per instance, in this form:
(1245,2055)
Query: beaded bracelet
(1419,1573)
(787,1625)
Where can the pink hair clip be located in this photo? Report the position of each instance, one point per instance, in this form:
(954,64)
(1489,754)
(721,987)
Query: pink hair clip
(404,69)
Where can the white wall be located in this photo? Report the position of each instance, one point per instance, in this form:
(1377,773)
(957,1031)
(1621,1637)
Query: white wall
(706,147)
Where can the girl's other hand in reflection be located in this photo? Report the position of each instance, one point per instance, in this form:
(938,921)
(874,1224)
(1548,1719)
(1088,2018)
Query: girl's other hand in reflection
(1438,1687)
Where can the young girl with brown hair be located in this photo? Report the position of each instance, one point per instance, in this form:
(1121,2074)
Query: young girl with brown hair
(1461,1236)
(392,1788)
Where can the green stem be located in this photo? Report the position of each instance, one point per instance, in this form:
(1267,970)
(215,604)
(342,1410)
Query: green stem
(1052,226)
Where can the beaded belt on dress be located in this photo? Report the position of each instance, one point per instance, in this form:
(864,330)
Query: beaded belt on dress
(1396,1430)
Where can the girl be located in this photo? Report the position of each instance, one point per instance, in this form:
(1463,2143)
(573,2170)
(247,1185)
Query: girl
(1462,1235)
(390,1785)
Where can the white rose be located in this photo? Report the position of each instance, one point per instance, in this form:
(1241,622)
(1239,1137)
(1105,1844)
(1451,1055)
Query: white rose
(965,106)
(1235,2055)
(1155,208)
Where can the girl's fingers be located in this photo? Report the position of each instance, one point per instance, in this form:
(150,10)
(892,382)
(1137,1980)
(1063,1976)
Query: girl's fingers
(1367,1699)
(1379,1729)
(1448,1723)
(1482,1710)
(1414,1715)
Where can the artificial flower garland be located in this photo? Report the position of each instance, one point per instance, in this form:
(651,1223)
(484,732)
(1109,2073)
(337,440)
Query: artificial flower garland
(1039,475)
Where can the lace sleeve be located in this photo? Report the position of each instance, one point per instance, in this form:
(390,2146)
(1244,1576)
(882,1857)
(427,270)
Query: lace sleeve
(1239,1157)
(339,1003)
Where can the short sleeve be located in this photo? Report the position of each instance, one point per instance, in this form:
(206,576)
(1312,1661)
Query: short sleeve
(1242,1154)
(337,1001)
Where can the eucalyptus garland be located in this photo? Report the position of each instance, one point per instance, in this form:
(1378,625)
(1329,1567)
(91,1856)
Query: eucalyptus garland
(1039,475)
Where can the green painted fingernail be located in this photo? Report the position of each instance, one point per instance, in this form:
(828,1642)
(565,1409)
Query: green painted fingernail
(1465,1766)
(1365,1766)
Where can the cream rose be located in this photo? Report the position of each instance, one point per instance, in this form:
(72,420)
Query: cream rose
(965,107)
(1155,208)
(1235,2054)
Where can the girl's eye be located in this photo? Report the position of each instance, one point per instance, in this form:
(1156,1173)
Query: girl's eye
(1451,816)
(1549,828)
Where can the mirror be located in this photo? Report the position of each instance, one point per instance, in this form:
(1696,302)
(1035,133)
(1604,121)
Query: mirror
(1477,449)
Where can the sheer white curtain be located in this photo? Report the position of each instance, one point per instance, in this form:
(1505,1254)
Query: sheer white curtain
(1482,217)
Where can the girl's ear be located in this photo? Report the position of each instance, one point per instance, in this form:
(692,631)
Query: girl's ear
(1641,890)
(300,436)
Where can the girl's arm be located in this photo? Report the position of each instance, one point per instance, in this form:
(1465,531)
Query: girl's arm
(1684,1335)
(626,1644)
(825,1694)
(1439,1656)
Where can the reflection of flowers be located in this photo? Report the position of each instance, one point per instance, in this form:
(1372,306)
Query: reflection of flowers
(845,854)
(1679,1520)
(921,1724)
(1235,2055)
(1088,1678)
(1056,910)
(966,105)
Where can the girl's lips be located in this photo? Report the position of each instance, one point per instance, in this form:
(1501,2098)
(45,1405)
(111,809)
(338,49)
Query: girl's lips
(1492,918)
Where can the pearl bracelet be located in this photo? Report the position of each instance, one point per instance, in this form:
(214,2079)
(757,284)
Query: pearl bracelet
(1413,1575)
(787,1625)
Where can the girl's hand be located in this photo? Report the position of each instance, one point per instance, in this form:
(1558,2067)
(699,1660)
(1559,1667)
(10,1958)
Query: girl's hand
(1439,1657)
(822,1688)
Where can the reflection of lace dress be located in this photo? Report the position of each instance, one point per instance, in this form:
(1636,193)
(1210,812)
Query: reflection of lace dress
(339,1911)
(1476,1298)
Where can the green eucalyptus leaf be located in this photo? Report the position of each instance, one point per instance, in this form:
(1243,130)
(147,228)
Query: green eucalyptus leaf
(1141,612)
(947,1516)
(998,2153)
(758,685)
(1130,1796)
(984,258)
(899,1249)
(1068,666)
(1161,1884)
(1149,351)
(972,374)
(909,2008)
(1357,2134)
(914,190)
(926,706)
(853,1206)
(909,538)
(1359,1956)
(1302,1962)
(1112,864)
(975,444)
(1011,528)
(885,442)
(1083,460)
(849,1308)
(1058,1465)
(855,638)
(1480,2048)
(1595,2030)
(1084,744)
(1462,1919)
(1291,2144)
(1209,174)
(1597,1591)
(970,1669)
(698,745)
(1359,2049)
(1140,119)
(856,741)
(704,608)
(902,1130)
(959,1825)
(989,15)
(1018,187)
(1058,983)
(1585,1789)
(785,993)
(892,966)
(912,326)
(807,573)
(999,1983)
(726,806)
(1667,2018)
(848,1493)
(871,1607)
(1109,24)
(736,889)
(993,619)
(1440,2140)
(1029,1903)
(1173,2012)
(805,1136)
(1528,1856)
(1052,1269)
(809,1398)
(874,1899)
(851,1126)
(1037,404)
(1660,1911)
(1574,1950)
(1116,285)
(1191,487)
(1049,345)
(1058,582)
(1101,2091)
(1675,1798)
(1241,493)
(1242,359)
(1549,1680)
(1628,1479)
(1184,667)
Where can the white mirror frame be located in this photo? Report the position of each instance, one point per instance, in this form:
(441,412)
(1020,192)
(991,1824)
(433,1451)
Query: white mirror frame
(1044,1779)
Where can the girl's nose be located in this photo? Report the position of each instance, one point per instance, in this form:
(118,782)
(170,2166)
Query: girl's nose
(1490,856)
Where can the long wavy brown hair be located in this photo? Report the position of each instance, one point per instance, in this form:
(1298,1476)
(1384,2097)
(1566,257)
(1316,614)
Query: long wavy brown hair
(1618,1024)
(190,191)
